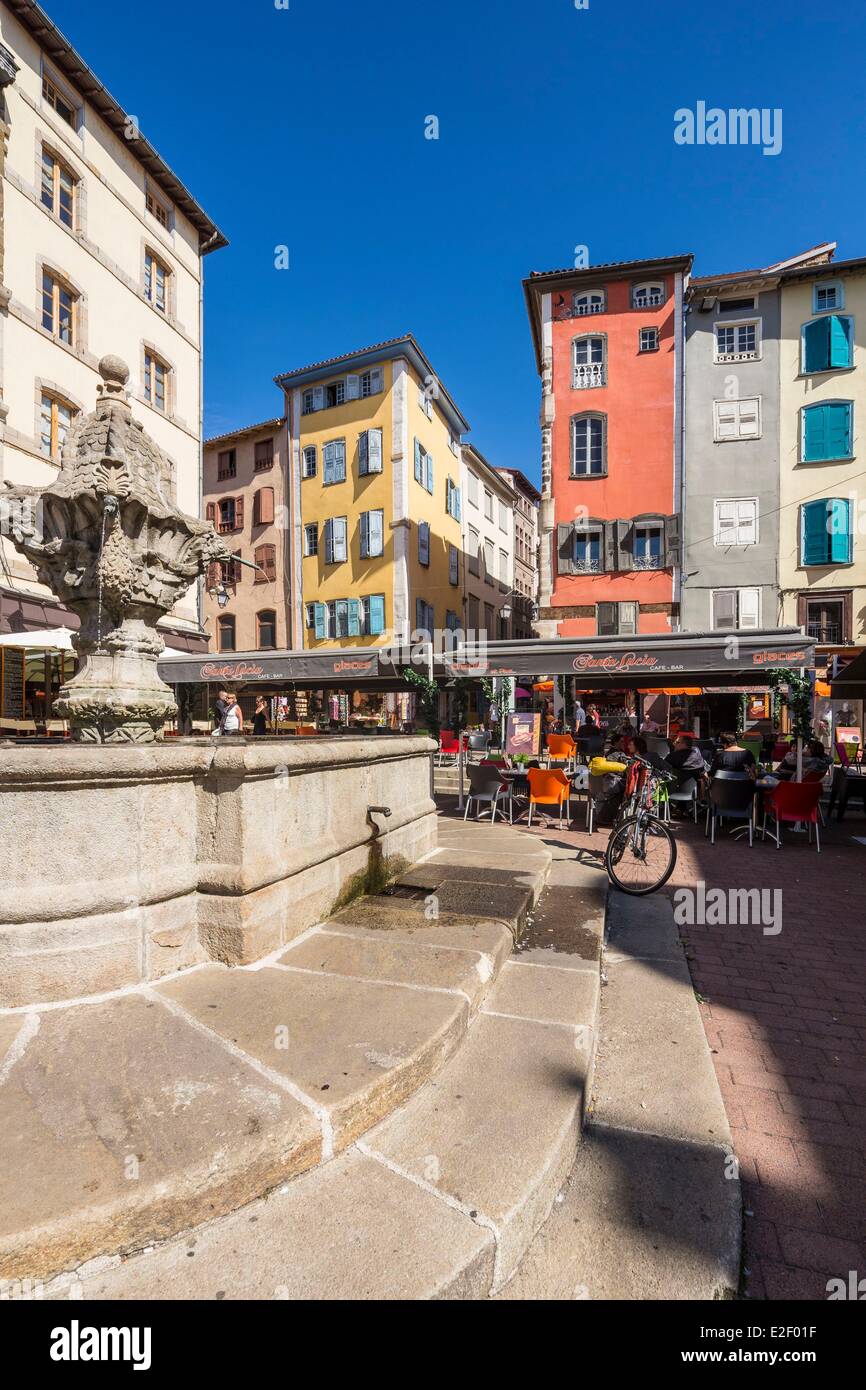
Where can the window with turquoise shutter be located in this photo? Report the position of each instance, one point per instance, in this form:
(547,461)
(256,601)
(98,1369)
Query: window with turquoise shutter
(319,620)
(354,618)
(827,343)
(825,532)
(827,432)
(377,614)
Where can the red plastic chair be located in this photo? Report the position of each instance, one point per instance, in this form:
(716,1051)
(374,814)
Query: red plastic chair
(449,746)
(793,801)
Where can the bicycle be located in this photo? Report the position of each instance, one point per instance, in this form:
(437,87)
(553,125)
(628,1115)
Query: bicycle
(641,852)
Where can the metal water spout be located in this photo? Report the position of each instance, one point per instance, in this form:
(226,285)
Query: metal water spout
(109,541)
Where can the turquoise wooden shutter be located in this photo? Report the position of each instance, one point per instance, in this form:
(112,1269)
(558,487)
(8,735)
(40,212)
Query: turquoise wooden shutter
(815,433)
(458,501)
(840,344)
(815,539)
(838,430)
(839,526)
(354,618)
(816,346)
(319,619)
(377,614)
(328,463)
(429,483)
(419,468)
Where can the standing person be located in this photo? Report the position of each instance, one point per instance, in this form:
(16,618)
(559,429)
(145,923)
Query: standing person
(219,711)
(579,716)
(260,719)
(233,719)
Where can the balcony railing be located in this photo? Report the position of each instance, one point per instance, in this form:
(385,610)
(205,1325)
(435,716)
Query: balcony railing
(648,562)
(588,567)
(829,633)
(588,374)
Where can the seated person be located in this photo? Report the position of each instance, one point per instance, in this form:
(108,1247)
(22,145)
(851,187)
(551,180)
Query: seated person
(686,759)
(814,760)
(732,757)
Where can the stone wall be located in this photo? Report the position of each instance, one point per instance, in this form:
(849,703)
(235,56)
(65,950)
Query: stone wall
(121,864)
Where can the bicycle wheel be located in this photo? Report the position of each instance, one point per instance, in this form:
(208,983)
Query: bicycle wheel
(641,855)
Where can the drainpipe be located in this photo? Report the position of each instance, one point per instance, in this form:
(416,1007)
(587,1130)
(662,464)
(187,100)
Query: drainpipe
(681,500)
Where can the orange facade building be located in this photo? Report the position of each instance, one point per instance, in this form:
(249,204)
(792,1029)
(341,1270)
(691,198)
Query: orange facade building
(609,350)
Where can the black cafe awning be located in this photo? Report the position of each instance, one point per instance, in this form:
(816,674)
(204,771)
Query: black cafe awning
(851,681)
(681,658)
(349,666)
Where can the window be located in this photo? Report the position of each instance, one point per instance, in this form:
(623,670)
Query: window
(335,394)
(370,452)
(370,383)
(266,630)
(425,617)
(735,420)
(263,507)
(503,567)
(825,532)
(372,534)
(827,344)
(488,504)
(735,521)
(334,461)
(231,515)
(311,538)
(157,209)
(227,464)
(452,499)
(155,382)
(265,557)
(472,487)
(828,295)
(425,403)
(589,302)
(452,621)
(647,547)
(311,613)
(264,455)
(474,539)
(826,620)
(588,445)
(423,467)
(373,615)
(489,620)
(453,565)
(648,296)
(588,551)
(232,570)
(58,309)
(616,619)
(156,279)
(308,467)
(648,340)
(738,342)
(737,306)
(588,362)
(58,189)
(734,609)
(55,418)
(308,403)
(489,560)
(58,102)
(826,432)
(226,634)
(503,517)
(472,613)
(423,543)
(336,541)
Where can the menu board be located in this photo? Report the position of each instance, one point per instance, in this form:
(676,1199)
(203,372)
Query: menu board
(523,734)
(13,683)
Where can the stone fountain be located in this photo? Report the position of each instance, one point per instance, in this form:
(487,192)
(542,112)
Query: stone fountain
(106,538)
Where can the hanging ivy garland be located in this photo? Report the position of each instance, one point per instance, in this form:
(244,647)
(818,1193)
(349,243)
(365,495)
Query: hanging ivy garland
(797,698)
(428,699)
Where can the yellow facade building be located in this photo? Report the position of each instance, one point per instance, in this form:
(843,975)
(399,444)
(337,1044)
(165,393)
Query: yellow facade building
(374,502)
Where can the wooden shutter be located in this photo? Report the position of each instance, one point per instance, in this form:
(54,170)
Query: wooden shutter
(814,546)
(565,547)
(329,542)
(625,545)
(816,346)
(318,397)
(673,541)
(429,480)
(377,614)
(354,618)
(239,513)
(353,387)
(839,527)
(840,344)
(749,418)
(363,451)
(419,470)
(814,433)
(606,619)
(319,619)
(746,522)
(374,449)
(837,420)
(377,380)
(377,533)
(725,608)
(263,509)
(210,512)
(750,607)
(365,535)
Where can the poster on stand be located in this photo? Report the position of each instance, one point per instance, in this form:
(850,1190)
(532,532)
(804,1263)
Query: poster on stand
(523,734)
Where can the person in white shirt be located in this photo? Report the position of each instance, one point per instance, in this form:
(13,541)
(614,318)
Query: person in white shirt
(232,721)
(579,716)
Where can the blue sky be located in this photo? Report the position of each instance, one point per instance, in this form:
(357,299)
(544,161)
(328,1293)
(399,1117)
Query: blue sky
(305,127)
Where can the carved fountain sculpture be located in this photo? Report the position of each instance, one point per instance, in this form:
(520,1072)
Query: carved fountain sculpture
(110,543)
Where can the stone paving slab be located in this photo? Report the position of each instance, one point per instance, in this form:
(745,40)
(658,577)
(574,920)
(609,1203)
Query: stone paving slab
(120,1123)
(490,939)
(350,1230)
(546,994)
(358,1048)
(385,959)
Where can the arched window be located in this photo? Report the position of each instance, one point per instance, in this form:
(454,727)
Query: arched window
(588,445)
(589,361)
(648,295)
(226,633)
(266,629)
(589,302)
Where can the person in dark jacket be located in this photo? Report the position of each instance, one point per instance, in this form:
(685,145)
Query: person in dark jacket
(732,757)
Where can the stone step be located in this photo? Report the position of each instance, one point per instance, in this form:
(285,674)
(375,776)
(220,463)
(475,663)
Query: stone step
(164,1106)
(440,1200)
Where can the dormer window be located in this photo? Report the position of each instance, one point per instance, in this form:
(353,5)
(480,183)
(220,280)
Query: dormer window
(649,295)
(589,302)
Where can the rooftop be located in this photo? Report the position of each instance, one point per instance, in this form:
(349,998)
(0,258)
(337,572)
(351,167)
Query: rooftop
(244,431)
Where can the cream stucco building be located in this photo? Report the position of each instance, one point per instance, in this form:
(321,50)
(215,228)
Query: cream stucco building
(101,251)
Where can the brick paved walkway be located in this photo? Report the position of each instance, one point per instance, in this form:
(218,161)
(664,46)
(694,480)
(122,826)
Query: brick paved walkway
(785,1017)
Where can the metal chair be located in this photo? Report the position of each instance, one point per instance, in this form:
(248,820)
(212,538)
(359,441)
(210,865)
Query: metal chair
(485,784)
(732,797)
(477,743)
(687,793)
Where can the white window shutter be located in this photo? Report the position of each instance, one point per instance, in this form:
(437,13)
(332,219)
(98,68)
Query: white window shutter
(750,604)
(748,419)
(726,521)
(353,387)
(365,535)
(318,397)
(746,519)
(377,380)
(726,419)
(363,451)
(374,447)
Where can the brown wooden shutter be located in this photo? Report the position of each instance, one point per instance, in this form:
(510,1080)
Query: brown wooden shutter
(263,514)
(565,548)
(239,513)
(271,561)
(673,541)
(210,512)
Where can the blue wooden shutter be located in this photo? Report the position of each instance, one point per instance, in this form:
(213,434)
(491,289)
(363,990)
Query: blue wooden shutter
(423,543)
(815,539)
(458,504)
(429,482)
(838,430)
(363,452)
(840,345)
(815,433)
(354,618)
(328,463)
(453,565)
(365,535)
(329,542)
(377,614)
(319,619)
(816,346)
(419,467)
(839,526)
(340,461)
